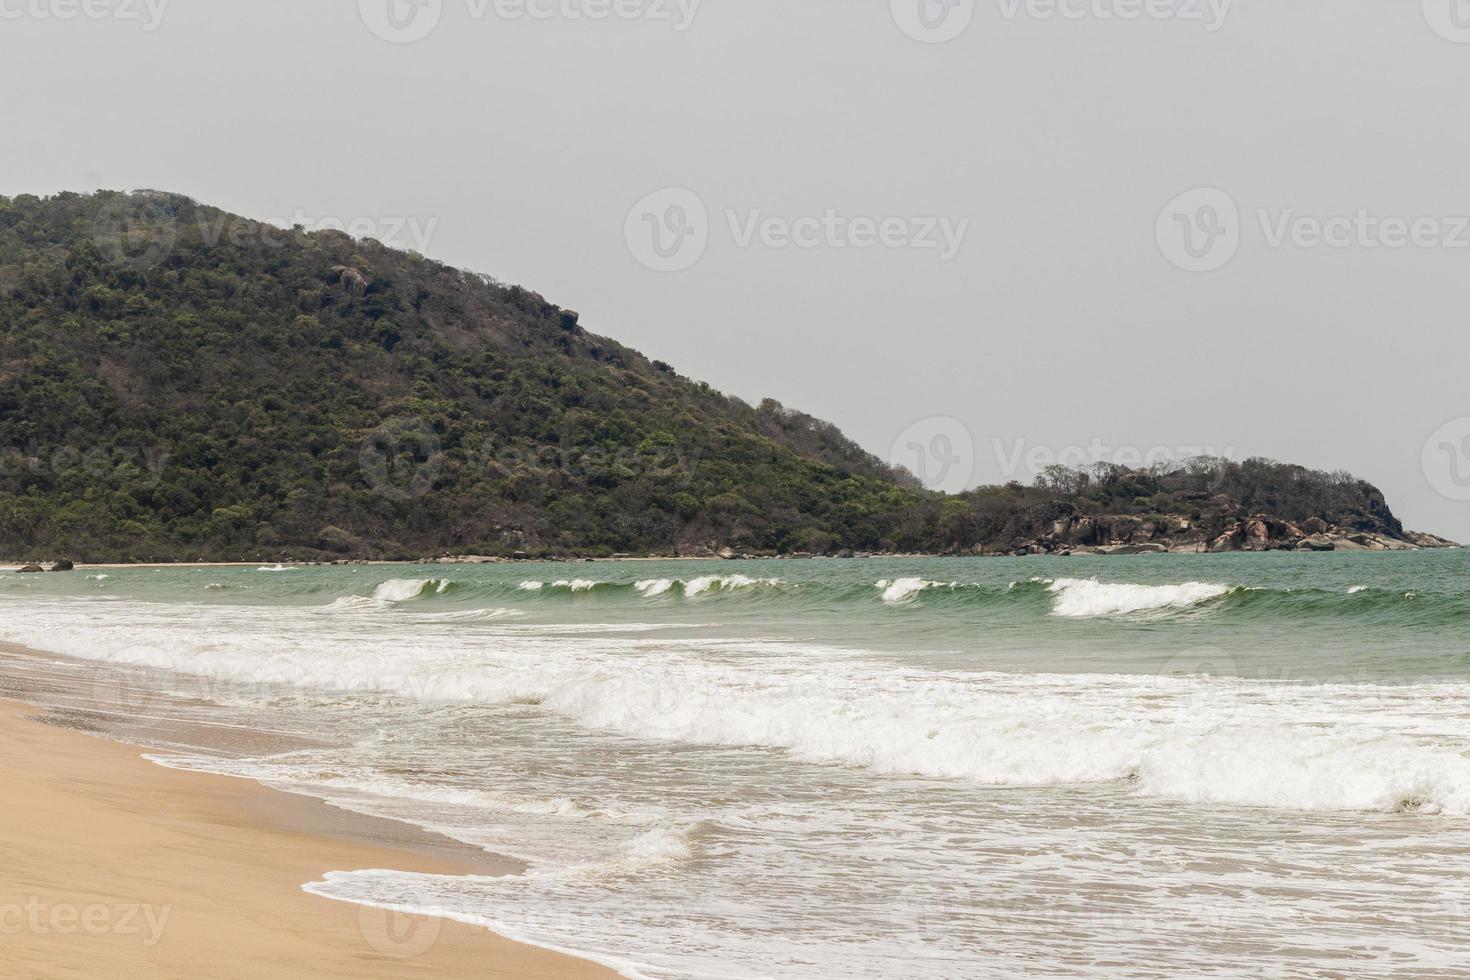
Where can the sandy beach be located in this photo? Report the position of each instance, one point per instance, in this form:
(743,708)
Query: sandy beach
(111,866)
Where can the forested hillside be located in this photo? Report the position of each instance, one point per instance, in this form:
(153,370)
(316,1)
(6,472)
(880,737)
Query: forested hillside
(179,383)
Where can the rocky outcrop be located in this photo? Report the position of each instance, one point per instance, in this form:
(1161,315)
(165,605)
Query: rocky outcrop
(30,568)
(1106,534)
(64,565)
(1423,539)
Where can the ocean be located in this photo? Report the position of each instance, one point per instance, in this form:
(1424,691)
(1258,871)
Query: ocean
(1150,766)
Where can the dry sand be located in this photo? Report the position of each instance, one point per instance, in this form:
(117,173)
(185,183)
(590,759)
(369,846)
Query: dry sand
(113,868)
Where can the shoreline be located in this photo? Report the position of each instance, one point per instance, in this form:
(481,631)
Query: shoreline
(113,865)
(15,566)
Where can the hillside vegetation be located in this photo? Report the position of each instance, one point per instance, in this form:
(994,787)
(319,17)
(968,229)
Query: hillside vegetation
(178,383)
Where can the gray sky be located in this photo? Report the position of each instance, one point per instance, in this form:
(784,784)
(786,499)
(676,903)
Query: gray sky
(1047,137)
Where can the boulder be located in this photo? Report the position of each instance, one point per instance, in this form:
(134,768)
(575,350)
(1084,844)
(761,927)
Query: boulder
(1423,539)
(64,565)
(1257,534)
(1317,542)
(31,568)
(1142,548)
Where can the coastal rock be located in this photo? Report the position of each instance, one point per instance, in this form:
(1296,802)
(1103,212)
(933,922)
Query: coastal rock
(1317,542)
(1257,534)
(64,565)
(1141,548)
(1422,539)
(30,568)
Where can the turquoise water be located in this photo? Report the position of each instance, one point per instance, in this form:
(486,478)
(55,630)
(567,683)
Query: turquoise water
(1131,766)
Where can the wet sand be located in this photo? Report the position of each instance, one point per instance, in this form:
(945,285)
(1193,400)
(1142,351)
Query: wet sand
(111,866)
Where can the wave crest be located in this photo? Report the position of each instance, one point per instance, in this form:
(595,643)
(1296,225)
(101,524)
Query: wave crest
(1084,598)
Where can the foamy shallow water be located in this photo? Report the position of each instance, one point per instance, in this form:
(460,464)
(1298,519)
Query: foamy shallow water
(985,768)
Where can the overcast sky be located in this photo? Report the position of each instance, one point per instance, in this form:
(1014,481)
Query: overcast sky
(957,223)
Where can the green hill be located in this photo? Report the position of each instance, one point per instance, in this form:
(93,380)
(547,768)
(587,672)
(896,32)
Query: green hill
(179,383)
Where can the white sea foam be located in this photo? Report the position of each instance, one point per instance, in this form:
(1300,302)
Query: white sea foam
(404,589)
(352,603)
(1089,597)
(1356,589)
(650,588)
(708,583)
(905,589)
(532,586)
(276,568)
(375,784)
(1331,747)
(654,586)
